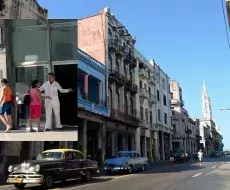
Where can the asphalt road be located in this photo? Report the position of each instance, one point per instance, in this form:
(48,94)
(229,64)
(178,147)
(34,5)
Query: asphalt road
(213,175)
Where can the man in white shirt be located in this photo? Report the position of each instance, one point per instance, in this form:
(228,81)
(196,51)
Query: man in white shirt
(200,156)
(51,88)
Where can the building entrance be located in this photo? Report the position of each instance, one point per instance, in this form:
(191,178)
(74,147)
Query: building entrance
(24,77)
(66,75)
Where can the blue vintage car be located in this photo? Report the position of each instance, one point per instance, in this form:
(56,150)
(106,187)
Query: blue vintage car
(126,162)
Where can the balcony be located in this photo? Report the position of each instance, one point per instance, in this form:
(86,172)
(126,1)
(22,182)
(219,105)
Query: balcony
(134,89)
(144,124)
(128,84)
(113,45)
(115,76)
(143,74)
(127,58)
(125,118)
(143,93)
(120,51)
(188,131)
(152,99)
(92,107)
(175,102)
(152,81)
(133,63)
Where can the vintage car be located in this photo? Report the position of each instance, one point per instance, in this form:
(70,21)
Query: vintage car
(179,156)
(56,165)
(126,162)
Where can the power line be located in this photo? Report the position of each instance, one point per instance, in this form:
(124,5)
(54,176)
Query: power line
(225,22)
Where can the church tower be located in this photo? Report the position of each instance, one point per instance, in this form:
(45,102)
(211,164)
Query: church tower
(206,104)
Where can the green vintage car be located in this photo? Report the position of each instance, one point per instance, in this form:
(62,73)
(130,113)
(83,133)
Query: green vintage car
(179,155)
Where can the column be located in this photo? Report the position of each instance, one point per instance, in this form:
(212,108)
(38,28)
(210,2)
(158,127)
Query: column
(138,140)
(150,149)
(86,77)
(101,138)
(162,146)
(156,153)
(114,143)
(100,93)
(84,138)
(170,142)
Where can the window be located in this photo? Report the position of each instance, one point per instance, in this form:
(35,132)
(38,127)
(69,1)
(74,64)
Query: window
(166,118)
(140,84)
(146,115)
(149,90)
(68,156)
(159,115)
(110,97)
(77,155)
(164,98)
(117,66)
(117,101)
(142,113)
(171,95)
(126,105)
(158,95)
(150,117)
(110,62)
(145,86)
(131,107)
(163,83)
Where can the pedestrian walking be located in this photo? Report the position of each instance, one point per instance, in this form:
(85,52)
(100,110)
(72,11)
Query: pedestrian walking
(171,158)
(6,103)
(52,104)
(200,156)
(35,105)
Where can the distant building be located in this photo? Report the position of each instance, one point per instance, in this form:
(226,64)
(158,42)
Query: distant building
(23,9)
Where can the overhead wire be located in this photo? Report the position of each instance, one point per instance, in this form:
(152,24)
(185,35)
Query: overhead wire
(225,22)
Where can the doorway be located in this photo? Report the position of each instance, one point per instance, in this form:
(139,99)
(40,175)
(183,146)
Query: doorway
(24,76)
(66,75)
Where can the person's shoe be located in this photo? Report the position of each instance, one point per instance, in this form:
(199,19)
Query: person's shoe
(40,130)
(32,130)
(47,129)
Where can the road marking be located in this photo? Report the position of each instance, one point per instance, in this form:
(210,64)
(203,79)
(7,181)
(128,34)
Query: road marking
(197,175)
(213,167)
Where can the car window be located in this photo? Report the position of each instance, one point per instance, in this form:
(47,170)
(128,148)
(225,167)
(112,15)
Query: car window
(77,155)
(68,156)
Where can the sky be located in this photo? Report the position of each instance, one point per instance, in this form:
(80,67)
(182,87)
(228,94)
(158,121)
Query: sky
(186,38)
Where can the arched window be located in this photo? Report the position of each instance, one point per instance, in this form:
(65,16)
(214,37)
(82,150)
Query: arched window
(117,99)
(131,107)
(110,98)
(126,108)
(110,62)
(117,65)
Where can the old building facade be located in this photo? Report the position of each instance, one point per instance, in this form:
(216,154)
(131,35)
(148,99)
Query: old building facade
(104,38)
(163,112)
(147,103)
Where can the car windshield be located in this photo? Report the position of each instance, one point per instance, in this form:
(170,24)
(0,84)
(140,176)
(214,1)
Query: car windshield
(50,156)
(124,154)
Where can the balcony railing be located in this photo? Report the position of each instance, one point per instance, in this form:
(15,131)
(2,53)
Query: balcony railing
(125,117)
(113,44)
(145,124)
(143,74)
(152,80)
(115,76)
(120,51)
(143,93)
(92,107)
(152,99)
(127,57)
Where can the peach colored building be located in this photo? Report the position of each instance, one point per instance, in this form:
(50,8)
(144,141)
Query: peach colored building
(104,38)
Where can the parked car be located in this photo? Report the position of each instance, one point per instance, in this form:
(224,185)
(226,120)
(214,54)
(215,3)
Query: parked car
(52,166)
(126,162)
(179,155)
(214,154)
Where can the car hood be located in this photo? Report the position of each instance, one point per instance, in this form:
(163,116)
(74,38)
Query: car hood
(28,163)
(117,161)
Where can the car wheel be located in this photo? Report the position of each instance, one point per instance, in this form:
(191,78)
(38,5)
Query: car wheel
(20,186)
(87,177)
(49,181)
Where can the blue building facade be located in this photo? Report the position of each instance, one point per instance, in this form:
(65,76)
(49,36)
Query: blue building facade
(92,106)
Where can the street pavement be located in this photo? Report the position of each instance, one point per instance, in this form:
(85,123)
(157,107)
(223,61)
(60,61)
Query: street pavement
(70,134)
(213,175)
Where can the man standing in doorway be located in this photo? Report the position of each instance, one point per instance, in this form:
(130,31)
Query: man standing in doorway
(52,104)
